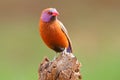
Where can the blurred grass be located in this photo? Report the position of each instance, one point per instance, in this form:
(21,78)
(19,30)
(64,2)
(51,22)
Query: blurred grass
(94,28)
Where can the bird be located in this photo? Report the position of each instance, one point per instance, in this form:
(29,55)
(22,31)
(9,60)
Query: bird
(53,32)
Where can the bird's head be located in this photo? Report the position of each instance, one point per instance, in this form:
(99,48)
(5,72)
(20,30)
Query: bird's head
(49,14)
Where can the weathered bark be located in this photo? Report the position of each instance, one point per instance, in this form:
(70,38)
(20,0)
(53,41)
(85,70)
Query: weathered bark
(64,67)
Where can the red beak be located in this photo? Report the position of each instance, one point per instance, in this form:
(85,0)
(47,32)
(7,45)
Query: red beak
(55,13)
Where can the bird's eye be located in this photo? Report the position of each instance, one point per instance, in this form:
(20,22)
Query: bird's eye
(50,13)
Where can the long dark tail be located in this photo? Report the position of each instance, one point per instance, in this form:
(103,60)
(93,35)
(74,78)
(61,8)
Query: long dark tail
(69,49)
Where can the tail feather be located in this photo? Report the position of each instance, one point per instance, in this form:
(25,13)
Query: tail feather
(69,50)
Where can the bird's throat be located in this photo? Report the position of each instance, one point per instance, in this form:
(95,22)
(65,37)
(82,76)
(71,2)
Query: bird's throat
(53,18)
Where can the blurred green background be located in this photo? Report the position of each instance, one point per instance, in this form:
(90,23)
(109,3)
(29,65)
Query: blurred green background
(93,25)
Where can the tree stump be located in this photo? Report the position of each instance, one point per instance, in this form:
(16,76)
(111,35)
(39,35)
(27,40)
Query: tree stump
(64,67)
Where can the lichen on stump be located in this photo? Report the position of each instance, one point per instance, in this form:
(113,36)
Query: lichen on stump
(64,67)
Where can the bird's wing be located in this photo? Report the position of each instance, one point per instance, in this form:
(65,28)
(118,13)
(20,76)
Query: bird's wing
(69,49)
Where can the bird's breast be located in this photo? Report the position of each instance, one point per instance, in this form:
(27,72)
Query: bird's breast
(53,35)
